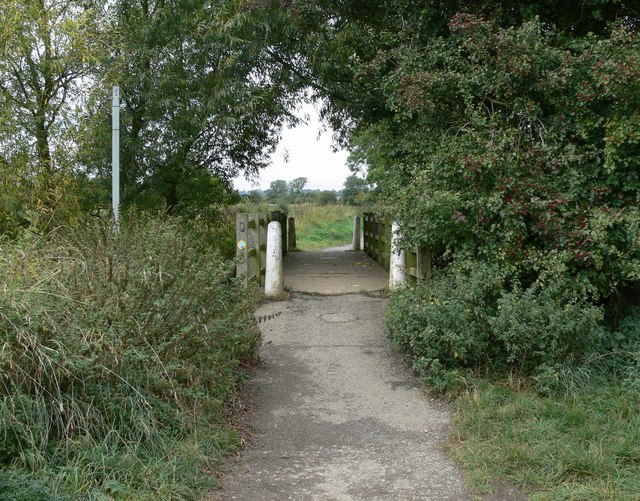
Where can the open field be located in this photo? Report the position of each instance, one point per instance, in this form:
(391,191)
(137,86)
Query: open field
(322,226)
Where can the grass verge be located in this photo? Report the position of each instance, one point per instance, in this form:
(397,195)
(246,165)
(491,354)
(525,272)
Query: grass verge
(583,444)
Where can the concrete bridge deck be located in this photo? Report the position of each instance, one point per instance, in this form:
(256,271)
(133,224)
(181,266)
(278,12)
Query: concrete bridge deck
(333,271)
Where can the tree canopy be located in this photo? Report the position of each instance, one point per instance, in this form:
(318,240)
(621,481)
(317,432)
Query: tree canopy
(355,190)
(206,88)
(505,138)
(508,131)
(47,53)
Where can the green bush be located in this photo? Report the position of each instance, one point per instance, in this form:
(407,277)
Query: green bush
(469,319)
(120,352)
(445,325)
(619,352)
(544,325)
(327,197)
(516,143)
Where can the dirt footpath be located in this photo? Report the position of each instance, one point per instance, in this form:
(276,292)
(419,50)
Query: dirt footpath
(338,416)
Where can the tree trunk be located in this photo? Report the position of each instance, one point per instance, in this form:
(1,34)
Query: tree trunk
(171,195)
(42,145)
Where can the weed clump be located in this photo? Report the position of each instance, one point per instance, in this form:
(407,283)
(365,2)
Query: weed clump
(119,353)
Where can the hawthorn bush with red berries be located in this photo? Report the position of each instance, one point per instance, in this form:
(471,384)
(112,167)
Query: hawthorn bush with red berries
(533,148)
(516,150)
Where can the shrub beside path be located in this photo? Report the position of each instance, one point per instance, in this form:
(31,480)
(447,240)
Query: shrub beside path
(338,416)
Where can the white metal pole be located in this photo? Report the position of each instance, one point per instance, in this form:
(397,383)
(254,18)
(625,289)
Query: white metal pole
(115,156)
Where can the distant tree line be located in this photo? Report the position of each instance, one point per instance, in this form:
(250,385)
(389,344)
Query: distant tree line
(356,191)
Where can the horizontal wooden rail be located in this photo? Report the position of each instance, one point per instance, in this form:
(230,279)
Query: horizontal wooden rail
(251,243)
(377,245)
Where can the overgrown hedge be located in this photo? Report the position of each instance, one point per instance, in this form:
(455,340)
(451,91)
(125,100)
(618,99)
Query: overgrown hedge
(119,354)
(469,320)
(514,157)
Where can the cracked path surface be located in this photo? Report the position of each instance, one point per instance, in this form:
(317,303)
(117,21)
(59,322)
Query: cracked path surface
(338,415)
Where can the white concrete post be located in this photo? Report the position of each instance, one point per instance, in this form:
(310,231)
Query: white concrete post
(356,233)
(398,264)
(274,274)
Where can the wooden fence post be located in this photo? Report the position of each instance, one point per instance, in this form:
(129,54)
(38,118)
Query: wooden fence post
(242,249)
(253,247)
(423,264)
(283,226)
(291,236)
(262,245)
(377,243)
(386,239)
(366,231)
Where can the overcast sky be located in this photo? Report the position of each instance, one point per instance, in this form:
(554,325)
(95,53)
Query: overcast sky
(308,156)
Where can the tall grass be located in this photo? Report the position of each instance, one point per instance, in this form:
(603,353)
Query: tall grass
(322,226)
(118,355)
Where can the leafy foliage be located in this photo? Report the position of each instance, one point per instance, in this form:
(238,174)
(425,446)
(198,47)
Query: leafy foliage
(204,93)
(278,190)
(48,53)
(355,190)
(511,186)
(46,49)
(296,186)
(327,197)
(505,137)
(465,321)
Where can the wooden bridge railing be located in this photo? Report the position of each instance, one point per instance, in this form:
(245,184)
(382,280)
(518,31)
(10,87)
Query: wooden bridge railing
(377,245)
(251,243)
(377,238)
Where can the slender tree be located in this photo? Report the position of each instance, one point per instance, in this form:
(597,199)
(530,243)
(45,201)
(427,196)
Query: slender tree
(46,52)
(278,190)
